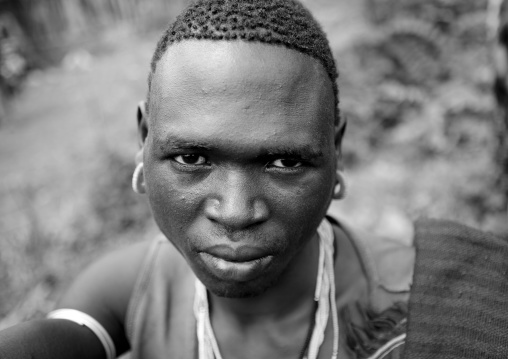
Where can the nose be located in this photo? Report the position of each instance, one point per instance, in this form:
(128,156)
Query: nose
(237,202)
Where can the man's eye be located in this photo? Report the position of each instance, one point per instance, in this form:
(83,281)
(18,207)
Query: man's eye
(190,159)
(286,163)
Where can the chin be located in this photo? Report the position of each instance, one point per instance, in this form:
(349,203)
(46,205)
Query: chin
(237,291)
(249,289)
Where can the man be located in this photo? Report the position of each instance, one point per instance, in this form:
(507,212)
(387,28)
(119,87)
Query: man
(241,156)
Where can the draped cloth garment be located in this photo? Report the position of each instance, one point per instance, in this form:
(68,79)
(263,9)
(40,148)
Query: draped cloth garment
(458,306)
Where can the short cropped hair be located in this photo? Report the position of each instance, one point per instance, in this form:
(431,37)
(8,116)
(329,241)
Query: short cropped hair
(278,22)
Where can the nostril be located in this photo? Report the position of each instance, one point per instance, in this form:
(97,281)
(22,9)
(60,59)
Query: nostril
(236,213)
(212,209)
(261,211)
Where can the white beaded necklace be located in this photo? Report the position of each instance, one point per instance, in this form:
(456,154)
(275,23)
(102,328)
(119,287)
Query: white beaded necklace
(324,296)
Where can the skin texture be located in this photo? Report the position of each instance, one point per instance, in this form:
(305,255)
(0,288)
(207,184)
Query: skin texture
(240,158)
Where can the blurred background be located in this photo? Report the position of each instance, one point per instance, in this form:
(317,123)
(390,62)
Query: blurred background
(422,83)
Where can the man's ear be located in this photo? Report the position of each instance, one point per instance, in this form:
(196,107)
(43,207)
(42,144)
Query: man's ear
(340,130)
(142,129)
(142,122)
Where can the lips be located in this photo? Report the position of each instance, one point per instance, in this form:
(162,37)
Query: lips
(239,254)
(236,264)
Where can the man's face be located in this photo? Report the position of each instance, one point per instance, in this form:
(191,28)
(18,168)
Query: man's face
(239,160)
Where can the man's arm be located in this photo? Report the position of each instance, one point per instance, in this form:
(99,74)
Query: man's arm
(51,339)
(103,292)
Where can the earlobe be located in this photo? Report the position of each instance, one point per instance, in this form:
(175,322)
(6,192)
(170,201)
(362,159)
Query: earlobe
(142,121)
(138,179)
(340,186)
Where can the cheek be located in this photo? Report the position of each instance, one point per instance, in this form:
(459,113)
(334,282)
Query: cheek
(303,205)
(173,208)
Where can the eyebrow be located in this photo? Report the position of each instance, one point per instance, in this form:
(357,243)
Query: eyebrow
(174,143)
(305,152)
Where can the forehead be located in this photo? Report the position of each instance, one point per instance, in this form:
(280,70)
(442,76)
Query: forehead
(248,87)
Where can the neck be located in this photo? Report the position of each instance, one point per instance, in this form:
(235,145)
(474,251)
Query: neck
(294,290)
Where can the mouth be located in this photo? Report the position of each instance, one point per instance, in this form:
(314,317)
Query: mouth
(240,268)
(239,254)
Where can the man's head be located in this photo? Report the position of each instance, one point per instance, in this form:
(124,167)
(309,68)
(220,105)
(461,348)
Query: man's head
(276,22)
(240,152)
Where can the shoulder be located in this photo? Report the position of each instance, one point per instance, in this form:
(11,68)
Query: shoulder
(109,279)
(161,302)
(374,322)
(388,264)
(104,288)
(109,288)
(391,260)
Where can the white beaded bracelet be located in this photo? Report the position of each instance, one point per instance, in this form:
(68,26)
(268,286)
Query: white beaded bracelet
(84,319)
